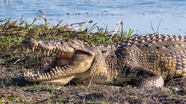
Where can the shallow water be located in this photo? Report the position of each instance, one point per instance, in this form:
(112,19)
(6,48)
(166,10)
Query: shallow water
(136,14)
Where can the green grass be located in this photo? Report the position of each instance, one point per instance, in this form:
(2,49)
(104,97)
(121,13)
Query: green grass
(13,32)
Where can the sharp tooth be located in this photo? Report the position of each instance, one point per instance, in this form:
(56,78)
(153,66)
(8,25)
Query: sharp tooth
(48,75)
(54,70)
(48,52)
(57,69)
(57,50)
(44,52)
(33,78)
(25,74)
(65,66)
(62,53)
(63,69)
(28,73)
(44,75)
(60,69)
(40,76)
(37,72)
(52,73)
(33,48)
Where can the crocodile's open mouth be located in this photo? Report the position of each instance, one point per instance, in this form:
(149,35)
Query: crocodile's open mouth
(67,63)
(60,64)
(63,60)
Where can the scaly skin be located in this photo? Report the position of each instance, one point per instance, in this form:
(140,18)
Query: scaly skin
(144,60)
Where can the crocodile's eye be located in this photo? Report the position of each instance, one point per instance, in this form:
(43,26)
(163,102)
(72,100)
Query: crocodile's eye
(112,56)
(105,52)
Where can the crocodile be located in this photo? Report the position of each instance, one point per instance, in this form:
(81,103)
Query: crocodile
(143,60)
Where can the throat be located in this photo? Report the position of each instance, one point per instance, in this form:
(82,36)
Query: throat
(62,61)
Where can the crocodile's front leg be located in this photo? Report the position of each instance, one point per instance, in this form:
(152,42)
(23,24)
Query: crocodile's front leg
(144,77)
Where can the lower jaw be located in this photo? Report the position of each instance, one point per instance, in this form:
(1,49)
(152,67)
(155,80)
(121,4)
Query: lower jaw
(60,81)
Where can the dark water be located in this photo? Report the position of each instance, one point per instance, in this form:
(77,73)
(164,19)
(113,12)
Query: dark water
(136,14)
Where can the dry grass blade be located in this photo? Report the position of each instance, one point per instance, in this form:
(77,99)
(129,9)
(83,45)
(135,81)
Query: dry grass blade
(82,23)
(159,25)
(58,24)
(22,58)
(79,24)
(14,25)
(86,91)
(54,28)
(43,15)
(117,27)
(35,19)
(156,32)
(2,20)
(6,24)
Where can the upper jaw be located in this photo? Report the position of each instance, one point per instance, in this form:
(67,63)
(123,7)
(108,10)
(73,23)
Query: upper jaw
(60,48)
(54,46)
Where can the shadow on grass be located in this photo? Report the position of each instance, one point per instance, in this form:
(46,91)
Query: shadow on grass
(15,81)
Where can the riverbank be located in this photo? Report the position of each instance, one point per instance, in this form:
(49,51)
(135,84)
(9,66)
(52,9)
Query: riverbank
(13,63)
